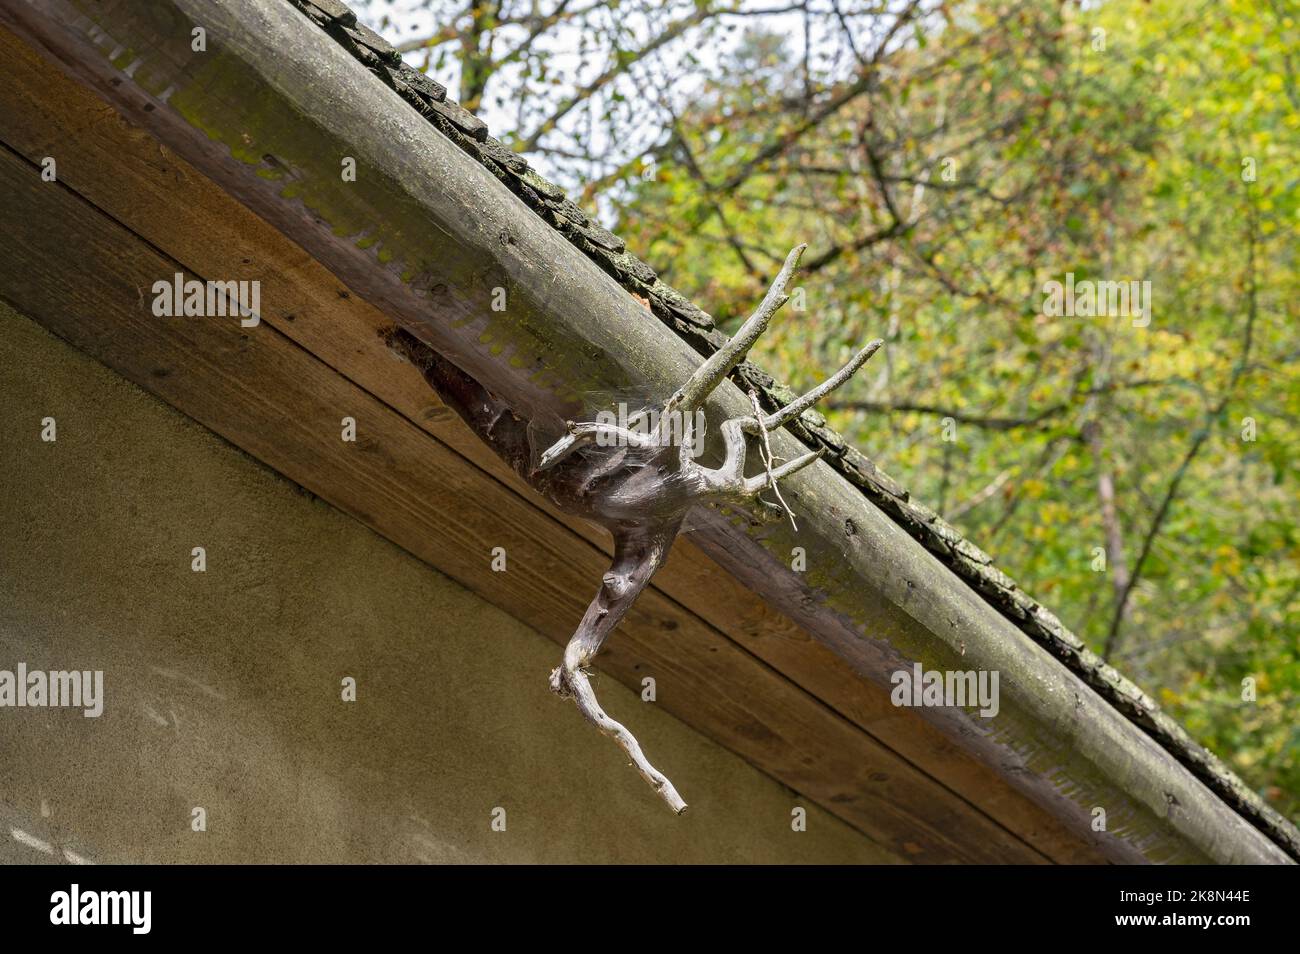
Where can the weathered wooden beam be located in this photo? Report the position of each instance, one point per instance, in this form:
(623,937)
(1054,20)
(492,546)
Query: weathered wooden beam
(269,110)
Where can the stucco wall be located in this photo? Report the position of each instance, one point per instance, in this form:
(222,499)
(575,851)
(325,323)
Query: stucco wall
(223,688)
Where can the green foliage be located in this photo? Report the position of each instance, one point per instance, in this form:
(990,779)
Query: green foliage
(1114,143)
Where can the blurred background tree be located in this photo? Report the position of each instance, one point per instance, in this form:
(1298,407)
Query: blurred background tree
(944,160)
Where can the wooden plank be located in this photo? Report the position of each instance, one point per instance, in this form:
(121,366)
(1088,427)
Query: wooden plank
(125,172)
(81,275)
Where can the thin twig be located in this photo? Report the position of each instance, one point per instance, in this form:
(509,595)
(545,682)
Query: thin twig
(765,454)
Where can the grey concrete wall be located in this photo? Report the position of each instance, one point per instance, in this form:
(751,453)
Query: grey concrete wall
(223,688)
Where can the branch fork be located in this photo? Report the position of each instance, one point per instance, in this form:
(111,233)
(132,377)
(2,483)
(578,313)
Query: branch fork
(636,481)
(645,514)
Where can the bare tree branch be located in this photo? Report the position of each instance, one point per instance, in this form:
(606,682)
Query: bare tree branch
(640,489)
(1202,435)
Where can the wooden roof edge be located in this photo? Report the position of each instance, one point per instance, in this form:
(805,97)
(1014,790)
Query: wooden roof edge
(269,109)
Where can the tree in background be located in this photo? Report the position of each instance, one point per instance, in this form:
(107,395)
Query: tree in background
(946,160)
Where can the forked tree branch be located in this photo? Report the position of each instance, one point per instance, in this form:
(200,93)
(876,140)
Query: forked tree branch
(637,485)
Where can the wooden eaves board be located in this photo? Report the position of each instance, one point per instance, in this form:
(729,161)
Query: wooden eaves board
(126,212)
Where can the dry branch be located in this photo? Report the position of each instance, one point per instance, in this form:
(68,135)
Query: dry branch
(644,513)
(634,483)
